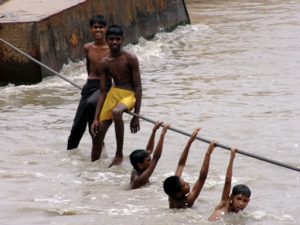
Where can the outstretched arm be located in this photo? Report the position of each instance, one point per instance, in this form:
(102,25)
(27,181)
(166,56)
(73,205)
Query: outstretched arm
(184,154)
(228,178)
(202,175)
(226,190)
(143,178)
(150,145)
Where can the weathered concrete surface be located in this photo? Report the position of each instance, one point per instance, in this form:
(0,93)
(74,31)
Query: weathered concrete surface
(55,31)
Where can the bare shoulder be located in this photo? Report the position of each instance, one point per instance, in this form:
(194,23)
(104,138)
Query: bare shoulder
(130,56)
(88,45)
(217,214)
(133,176)
(222,205)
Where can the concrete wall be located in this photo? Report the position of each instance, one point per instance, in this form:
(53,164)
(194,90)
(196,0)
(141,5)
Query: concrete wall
(56,38)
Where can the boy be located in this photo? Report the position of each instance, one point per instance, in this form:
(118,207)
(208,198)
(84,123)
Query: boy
(125,95)
(239,198)
(94,51)
(177,189)
(143,165)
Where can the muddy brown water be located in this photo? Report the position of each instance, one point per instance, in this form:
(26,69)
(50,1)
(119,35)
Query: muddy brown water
(234,72)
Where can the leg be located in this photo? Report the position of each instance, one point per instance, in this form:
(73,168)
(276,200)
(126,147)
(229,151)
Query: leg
(79,125)
(98,140)
(117,113)
(91,105)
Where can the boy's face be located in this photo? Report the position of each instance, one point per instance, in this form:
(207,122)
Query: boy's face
(239,202)
(185,187)
(143,166)
(114,42)
(98,31)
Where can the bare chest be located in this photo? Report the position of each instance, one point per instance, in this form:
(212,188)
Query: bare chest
(95,55)
(119,70)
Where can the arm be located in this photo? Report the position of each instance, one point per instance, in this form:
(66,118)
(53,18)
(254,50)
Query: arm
(226,190)
(86,48)
(184,154)
(137,86)
(150,144)
(103,93)
(202,175)
(143,178)
(216,215)
(228,178)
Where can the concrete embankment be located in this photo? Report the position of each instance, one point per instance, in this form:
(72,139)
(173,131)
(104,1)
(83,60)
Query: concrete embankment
(54,32)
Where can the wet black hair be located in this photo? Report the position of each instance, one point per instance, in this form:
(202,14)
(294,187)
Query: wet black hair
(98,19)
(172,186)
(114,30)
(138,156)
(241,189)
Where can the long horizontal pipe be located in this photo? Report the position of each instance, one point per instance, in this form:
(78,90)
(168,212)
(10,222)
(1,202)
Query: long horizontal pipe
(39,63)
(153,121)
(221,145)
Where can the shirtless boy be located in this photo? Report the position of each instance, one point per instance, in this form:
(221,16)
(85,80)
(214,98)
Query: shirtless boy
(143,165)
(126,94)
(239,198)
(90,93)
(177,189)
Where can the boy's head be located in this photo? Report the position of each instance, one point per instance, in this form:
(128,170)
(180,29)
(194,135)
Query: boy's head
(176,187)
(114,30)
(140,159)
(114,38)
(98,19)
(98,27)
(240,197)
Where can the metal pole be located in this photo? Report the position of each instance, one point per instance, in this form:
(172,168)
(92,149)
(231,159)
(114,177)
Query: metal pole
(39,63)
(223,146)
(152,121)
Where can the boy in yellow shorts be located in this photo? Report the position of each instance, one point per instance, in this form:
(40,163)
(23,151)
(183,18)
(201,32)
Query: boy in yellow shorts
(126,94)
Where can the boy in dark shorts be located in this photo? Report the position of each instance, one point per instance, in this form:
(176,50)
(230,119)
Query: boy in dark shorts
(90,93)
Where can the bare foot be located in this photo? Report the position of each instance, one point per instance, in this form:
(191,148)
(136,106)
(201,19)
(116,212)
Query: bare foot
(95,154)
(95,158)
(117,161)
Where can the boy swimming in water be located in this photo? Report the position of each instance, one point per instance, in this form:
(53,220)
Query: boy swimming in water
(143,165)
(239,198)
(177,189)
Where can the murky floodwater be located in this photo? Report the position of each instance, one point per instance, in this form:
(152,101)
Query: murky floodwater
(234,72)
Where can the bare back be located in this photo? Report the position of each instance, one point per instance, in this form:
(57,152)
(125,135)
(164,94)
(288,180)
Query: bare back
(94,53)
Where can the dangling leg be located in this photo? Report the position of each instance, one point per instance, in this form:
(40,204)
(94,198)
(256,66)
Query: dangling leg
(117,113)
(98,140)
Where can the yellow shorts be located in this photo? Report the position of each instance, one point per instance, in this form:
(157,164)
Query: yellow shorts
(114,97)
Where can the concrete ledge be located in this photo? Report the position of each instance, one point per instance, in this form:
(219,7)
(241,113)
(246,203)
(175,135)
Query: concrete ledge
(55,32)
